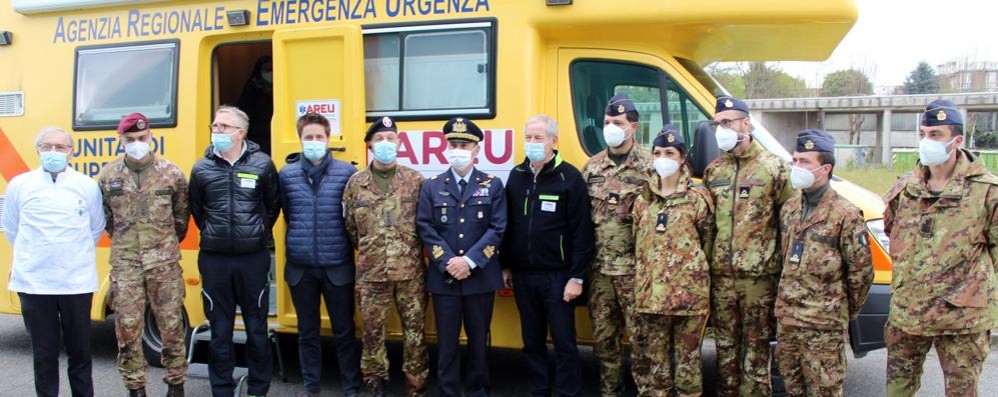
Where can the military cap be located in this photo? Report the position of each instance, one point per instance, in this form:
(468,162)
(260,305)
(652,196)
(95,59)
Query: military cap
(730,103)
(462,129)
(382,124)
(815,141)
(669,136)
(134,122)
(619,104)
(941,112)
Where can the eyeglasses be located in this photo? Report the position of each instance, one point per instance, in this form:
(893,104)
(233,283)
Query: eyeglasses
(725,122)
(221,127)
(47,147)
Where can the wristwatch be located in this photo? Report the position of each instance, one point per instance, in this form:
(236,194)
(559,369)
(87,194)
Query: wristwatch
(576,280)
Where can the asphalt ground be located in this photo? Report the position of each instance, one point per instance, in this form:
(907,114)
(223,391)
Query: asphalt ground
(865,375)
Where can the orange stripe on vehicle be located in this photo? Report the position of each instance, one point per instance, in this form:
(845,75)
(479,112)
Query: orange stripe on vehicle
(190,240)
(11,163)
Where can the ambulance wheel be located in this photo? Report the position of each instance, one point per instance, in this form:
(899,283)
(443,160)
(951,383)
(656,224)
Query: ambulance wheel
(152,341)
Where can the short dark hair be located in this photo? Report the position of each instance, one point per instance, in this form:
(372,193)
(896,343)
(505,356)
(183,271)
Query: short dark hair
(827,158)
(312,118)
(632,116)
(956,129)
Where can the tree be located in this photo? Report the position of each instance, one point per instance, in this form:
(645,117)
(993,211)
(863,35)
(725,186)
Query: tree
(922,80)
(847,82)
(764,81)
(729,76)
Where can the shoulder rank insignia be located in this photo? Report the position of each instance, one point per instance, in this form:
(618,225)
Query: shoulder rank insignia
(433,177)
(438,251)
(488,251)
(613,199)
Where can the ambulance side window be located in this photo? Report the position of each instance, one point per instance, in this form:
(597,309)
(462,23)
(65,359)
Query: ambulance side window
(430,71)
(656,96)
(112,81)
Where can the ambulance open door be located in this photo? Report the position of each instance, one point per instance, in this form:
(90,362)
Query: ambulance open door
(318,70)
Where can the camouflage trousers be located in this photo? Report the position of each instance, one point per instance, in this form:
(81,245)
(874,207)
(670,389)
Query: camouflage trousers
(611,302)
(742,317)
(812,361)
(961,357)
(671,347)
(374,300)
(162,287)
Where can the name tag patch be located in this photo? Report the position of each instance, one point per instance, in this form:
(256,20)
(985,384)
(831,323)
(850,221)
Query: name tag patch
(247,183)
(548,206)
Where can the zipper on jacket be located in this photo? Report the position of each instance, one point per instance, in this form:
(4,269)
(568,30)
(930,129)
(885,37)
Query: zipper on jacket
(530,221)
(315,228)
(232,203)
(734,198)
(561,246)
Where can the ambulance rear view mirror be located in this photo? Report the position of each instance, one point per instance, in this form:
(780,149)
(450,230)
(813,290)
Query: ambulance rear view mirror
(559,2)
(237,17)
(6,37)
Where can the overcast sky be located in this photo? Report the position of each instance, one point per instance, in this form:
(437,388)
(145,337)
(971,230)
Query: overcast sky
(892,36)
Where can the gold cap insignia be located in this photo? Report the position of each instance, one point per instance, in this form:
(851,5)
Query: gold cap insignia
(489,250)
(941,115)
(140,124)
(671,138)
(729,103)
(620,108)
(387,122)
(808,144)
(459,126)
(438,251)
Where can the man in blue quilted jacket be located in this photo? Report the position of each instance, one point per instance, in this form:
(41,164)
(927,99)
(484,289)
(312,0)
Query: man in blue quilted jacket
(319,255)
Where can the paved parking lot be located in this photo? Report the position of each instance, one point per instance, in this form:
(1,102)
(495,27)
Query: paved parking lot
(865,378)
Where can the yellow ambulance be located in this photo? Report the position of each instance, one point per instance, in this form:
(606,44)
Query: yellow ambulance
(82,64)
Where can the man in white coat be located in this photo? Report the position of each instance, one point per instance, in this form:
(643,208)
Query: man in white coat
(53,217)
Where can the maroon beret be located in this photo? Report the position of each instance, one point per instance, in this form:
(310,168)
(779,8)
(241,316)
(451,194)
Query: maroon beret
(134,122)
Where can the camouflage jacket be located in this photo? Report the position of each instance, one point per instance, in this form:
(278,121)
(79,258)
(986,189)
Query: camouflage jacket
(382,225)
(145,222)
(827,269)
(674,235)
(612,190)
(943,248)
(747,190)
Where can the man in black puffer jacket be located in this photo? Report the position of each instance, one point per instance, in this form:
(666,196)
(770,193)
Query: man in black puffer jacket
(234,200)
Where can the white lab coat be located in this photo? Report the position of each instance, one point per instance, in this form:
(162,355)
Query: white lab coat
(54,228)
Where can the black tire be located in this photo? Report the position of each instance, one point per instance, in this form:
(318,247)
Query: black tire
(152,342)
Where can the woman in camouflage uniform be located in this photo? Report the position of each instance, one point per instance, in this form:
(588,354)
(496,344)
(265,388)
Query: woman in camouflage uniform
(673,229)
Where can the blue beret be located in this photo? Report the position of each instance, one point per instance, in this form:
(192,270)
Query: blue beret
(462,129)
(619,104)
(815,141)
(941,112)
(669,136)
(730,103)
(381,124)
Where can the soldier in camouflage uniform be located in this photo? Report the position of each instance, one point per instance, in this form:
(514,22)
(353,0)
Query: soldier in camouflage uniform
(614,177)
(943,226)
(673,228)
(145,203)
(826,273)
(748,186)
(381,205)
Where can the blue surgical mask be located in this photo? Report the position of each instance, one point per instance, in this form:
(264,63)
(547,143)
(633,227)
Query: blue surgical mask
(535,151)
(385,151)
(221,141)
(53,161)
(313,150)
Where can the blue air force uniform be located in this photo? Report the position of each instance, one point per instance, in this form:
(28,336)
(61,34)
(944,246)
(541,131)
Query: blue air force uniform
(467,220)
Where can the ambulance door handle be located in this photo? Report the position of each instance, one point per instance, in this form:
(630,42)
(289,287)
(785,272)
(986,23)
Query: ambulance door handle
(338,149)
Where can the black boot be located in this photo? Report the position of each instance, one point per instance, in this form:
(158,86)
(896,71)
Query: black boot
(176,390)
(140,392)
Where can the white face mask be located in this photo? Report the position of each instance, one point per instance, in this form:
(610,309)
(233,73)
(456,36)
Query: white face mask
(137,150)
(613,135)
(933,153)
(727,138)
(458,158)
(665,167)
(801,178)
